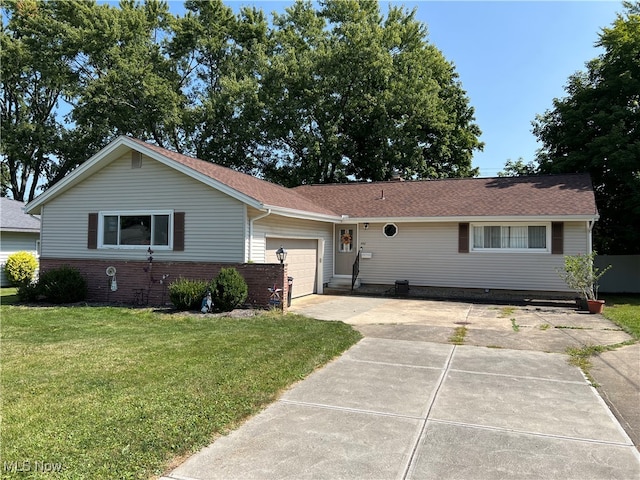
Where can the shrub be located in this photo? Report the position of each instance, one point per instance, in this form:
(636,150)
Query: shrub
(63,285)
(581,275)
(229,290)
(20,268)
(187,294)
(29,292)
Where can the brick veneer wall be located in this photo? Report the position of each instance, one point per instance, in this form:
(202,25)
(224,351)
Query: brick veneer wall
(137,284)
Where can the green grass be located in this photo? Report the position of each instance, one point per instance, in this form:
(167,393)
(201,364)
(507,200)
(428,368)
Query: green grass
(580,356)
(8,296)
(624,310)
(110,392)
(457,338)
(507,311)
(514,325)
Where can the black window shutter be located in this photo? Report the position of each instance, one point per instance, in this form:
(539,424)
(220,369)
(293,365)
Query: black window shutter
(92,232)
(463,238)
(557,238)
(178,231)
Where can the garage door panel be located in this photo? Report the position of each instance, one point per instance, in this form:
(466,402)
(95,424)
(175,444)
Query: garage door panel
(302,262)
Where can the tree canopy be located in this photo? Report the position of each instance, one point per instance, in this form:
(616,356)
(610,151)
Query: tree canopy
(596,129)
(331,91)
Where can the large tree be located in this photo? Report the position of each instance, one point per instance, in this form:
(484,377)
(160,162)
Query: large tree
(596,129)
(352,95)
(126,84)
(36,75)
(76,74)
(327,93)
(220,57)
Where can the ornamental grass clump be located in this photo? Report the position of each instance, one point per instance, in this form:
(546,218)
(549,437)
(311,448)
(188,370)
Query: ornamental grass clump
(229,290)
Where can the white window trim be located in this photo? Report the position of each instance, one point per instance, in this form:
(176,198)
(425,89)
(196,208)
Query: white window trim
(511,250)
(132,213)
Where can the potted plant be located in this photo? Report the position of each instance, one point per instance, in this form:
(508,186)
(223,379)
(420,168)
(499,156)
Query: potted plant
(581,275)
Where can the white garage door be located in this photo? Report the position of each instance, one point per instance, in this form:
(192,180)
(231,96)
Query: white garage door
(302,262)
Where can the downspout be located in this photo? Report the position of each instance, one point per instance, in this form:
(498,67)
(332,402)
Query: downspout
(590,224)
(259,217)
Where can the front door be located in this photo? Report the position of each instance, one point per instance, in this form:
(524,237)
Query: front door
(346,249)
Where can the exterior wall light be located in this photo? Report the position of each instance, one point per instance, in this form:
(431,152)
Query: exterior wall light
(281,253)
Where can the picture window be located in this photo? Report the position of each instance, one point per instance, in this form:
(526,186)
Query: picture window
(510,237)
(135,229)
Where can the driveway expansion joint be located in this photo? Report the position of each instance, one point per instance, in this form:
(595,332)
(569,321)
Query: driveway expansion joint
(350,409)
(394,364)
(530,433)
(523,377)
(416,444)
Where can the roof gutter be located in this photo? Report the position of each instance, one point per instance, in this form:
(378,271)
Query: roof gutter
(251,222)
(302,214)
(472,219)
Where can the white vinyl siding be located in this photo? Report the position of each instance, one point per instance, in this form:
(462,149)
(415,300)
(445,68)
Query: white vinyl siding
(214,222)
(284,227)
(12,242)
(426,254)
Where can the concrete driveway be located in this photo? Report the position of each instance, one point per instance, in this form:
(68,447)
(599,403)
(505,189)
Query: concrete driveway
(543,328)
(405,403)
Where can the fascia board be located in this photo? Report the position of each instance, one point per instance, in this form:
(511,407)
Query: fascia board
(20,230)
(474,219)
(302,214)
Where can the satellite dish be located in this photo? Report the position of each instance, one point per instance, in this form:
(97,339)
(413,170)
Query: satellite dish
(111,271)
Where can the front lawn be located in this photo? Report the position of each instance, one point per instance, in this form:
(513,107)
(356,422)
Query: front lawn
(8,295)
(105,392)
(624,310)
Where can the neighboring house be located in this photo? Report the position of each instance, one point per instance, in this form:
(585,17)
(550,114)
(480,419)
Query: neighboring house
(18,232)
(196,216)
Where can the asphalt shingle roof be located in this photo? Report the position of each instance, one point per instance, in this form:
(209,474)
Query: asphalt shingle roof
(267,193)
(13,218)
(546,195)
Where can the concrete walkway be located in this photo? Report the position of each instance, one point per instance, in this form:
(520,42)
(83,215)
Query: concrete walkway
(396,408)
(392,409)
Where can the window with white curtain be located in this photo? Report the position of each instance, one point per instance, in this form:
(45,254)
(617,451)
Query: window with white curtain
(511,237)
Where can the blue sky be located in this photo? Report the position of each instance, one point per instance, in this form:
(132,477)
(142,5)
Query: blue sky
(513,58)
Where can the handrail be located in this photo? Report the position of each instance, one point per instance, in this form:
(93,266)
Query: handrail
(355,270)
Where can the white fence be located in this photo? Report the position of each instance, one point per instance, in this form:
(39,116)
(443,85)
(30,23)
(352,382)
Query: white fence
(624,276)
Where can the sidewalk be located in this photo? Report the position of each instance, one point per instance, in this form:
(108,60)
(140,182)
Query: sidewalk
(396,409)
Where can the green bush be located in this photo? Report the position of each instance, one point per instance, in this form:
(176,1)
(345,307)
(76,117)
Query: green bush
(63,285)
(29,292)
(229,290)
(20,268)
(187,294)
